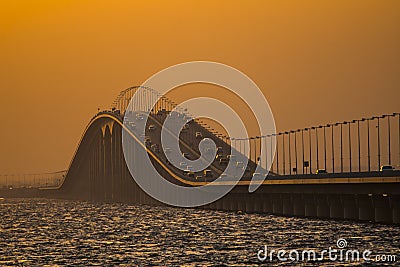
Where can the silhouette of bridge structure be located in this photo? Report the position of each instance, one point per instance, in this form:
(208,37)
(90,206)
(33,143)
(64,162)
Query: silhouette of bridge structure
(343,170)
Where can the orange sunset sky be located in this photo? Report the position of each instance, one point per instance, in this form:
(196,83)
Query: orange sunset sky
(315,61)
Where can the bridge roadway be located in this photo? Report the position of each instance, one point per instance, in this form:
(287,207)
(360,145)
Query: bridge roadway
(98,172)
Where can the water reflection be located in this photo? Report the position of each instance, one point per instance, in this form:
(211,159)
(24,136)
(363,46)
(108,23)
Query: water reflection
(38,232)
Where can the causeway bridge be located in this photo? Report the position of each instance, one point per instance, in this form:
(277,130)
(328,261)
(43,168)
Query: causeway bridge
(345,170)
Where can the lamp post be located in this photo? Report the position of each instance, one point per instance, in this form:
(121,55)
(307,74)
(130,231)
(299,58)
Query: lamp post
(271,154)
(309,141)
(341,147)
(254,149)
(388,122)
(283,152)
(256,152)
(244,147)
(277,152)
(264,138)
(290,164)
(359,145)
(350,145)
(316,142)
(379,143)
(333,147)
(302,146)
(323,127)
(295,147)
(398,114)
(368,147)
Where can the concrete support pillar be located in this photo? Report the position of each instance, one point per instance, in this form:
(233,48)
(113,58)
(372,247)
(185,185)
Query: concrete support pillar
(323,210)
(267,205)
(241,205)
(233,205)
(250,204)
(142,197)
(365,210)
(350,207)
(277,206)
(310,206)
(395,204)
(220,204)
(134,193)
(351,212)
(287,206)
(310,210)
(383,211)
(226,203)
(205,207)
(213,205)
(298,206)
(336,210)
(258,204)
(396,215)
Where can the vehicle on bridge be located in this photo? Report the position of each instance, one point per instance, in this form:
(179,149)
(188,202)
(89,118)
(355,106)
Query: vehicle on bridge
(223,161)
(207,173)
(139,117)
(188,173)
(385,168)
(155,148)
(320,171)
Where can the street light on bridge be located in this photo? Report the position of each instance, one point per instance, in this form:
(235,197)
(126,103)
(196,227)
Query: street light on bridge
(358,144)
(341,144)
(368,143)
(290,154)
(316,143)
(309,143)
(295,149)
(302,145)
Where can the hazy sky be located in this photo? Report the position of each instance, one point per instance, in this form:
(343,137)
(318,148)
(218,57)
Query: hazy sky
(316,61)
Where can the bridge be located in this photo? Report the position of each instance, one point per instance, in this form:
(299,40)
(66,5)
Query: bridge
(338,170)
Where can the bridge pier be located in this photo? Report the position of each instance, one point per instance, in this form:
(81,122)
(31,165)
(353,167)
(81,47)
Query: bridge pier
(241,206)
(310,207)
(250,204)
(365,210)
(350,207)
(234,204)
(323,209)
(267,204)
(226,203)
(277,205)
(395,203)
(335,207)
(383,212)
(258,204)
(220,205)
(298,205)
(213,206)
(287,205)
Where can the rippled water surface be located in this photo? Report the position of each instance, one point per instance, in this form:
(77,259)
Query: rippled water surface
(38,232)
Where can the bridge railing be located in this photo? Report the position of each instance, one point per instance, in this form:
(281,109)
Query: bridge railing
(361,145)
